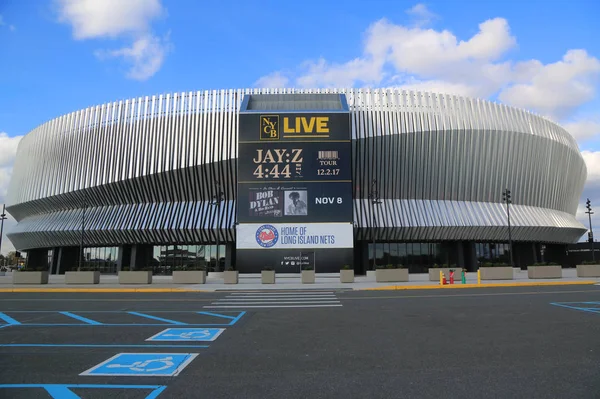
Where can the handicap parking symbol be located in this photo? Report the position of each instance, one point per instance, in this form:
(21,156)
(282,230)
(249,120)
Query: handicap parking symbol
(187,334)
(143,364)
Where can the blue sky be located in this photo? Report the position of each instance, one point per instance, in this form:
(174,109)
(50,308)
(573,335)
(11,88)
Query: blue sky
(59,56)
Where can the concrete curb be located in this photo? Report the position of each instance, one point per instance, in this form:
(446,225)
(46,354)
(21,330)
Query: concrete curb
(99,290)
(484,285)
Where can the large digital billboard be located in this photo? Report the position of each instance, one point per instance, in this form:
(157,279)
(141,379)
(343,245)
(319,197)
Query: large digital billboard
(294,174)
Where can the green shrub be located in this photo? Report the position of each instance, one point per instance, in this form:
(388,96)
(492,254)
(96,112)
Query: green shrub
(268,268)
(346,267)
(591,262)
(308,267)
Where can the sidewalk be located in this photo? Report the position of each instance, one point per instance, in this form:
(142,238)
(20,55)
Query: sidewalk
(329,281)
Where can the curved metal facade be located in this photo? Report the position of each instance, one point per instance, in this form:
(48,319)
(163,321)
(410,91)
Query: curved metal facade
(144,171)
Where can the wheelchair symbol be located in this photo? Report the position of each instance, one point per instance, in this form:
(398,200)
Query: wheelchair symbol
(141,366)
(191,334)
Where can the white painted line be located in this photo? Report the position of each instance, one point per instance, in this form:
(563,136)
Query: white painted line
(270,306)
(265,302)
(270,298)
(284,293)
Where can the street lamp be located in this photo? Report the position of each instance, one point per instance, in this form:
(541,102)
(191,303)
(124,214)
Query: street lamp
(375,200)
(588,205)
(217,199)
(506,198)
(2,219)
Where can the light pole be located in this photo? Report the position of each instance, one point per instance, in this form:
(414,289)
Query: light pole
(2,219)
(375,200)
(217,199)
(82,235)
(506,197)
(588,205)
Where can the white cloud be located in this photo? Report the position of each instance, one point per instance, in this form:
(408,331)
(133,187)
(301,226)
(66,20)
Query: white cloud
(117,19)
(421,14)
(146,56)
(272,81)
(583,129)
(9,149)
(7,158)
(559,88)
(3,23)
(478,66)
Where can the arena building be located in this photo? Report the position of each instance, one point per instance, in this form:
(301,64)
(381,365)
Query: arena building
(288,178)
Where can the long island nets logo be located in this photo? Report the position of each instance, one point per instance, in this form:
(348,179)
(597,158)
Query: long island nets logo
(267,236)
(269,127)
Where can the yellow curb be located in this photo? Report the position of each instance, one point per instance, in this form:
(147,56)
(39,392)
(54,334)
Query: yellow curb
(486,285)
(100,290)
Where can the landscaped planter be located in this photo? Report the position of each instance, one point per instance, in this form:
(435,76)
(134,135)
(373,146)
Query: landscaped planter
(391,275)
(544,271)
(135,277)
(588,270)
(30,277)
(346,276)
(308,276)
(267,276)
(231,276)
(434,273)
(86,277)
(189,277)
(497,273)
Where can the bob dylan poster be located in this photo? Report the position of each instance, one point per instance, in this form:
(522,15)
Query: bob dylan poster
(266,202)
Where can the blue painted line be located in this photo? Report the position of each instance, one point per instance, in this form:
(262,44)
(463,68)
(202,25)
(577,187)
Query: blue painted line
(81,318)
(112,325)
(8,319)
(98,346)
(158,318)
(61,392)
(237,318)
(5,325)
(590,310)
(217,315)
(91,386)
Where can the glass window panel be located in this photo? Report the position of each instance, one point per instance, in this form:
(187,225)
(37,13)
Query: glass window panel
(394,258)
(379,253)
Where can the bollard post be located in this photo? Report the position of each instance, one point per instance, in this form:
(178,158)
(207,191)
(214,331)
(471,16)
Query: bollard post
(464,277)
(441,278)
(478,276)
(451,276)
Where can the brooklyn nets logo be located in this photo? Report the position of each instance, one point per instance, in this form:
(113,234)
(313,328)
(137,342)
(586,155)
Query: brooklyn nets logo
(267,236)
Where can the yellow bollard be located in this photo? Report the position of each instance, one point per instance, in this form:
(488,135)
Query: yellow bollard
(478,276)
(441,278)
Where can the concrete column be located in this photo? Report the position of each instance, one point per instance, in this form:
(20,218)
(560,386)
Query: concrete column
(37,258)
(141,256)
(470,256)
(229,251)
(68,258)
(123,257)
(54,265)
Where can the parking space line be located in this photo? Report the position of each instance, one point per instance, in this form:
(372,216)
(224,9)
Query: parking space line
(8,319)
(234,319)
(158,318)
(99,346)
(81,318)
(270,306)
(60,391)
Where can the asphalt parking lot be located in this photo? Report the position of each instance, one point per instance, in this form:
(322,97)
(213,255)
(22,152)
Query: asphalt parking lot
(539,342)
